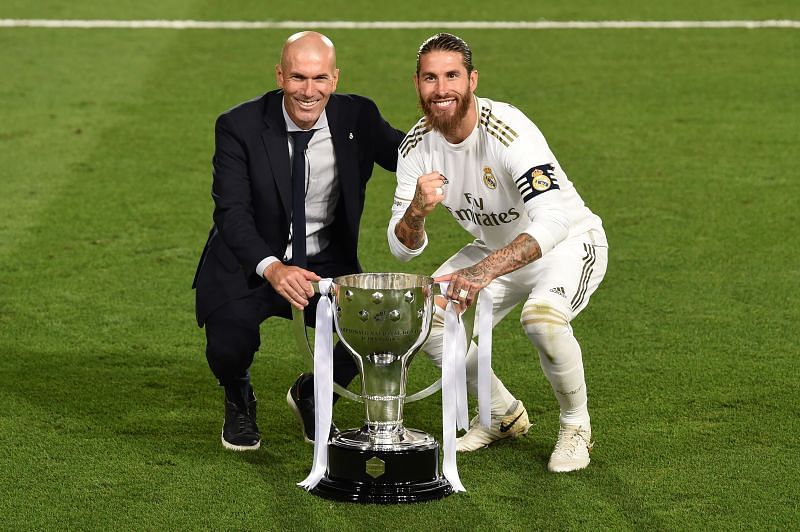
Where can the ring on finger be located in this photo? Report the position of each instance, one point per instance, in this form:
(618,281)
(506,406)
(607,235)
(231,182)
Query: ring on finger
(462,294)
(439,191)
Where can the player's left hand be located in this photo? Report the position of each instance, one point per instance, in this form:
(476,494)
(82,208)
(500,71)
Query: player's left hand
(465,284)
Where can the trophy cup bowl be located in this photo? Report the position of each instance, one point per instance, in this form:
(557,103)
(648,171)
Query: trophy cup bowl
(383,319)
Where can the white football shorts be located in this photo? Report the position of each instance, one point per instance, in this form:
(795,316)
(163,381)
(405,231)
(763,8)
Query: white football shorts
(565,277)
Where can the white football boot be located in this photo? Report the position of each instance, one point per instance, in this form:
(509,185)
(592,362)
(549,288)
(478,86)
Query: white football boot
(511,425)
(572,449)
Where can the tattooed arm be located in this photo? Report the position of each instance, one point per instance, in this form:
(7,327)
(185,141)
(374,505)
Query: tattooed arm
(410,230)
(520,252)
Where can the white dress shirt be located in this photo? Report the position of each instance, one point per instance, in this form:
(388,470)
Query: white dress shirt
(322,189)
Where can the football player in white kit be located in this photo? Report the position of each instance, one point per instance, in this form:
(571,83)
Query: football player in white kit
(535,239)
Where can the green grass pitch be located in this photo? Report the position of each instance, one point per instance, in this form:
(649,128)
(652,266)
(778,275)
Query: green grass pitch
(685,142)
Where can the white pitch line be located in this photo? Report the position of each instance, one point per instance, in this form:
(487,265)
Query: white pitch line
(345,24)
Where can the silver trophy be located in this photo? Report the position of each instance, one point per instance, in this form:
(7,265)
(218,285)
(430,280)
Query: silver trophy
(383,319)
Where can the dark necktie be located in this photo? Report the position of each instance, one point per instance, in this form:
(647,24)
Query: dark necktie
(300,140)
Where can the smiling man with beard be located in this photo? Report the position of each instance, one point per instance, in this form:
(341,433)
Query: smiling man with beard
(535,240)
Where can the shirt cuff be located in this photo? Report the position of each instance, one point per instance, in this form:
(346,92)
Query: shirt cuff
(261,266)
(542,236)
(399,250)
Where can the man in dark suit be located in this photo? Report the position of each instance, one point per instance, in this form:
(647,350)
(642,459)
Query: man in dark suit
(291,162)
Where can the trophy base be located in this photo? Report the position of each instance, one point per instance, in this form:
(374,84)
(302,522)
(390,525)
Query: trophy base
(383,475)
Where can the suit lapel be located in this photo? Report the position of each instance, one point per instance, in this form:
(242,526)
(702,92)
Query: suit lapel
(344,146)
(276,145)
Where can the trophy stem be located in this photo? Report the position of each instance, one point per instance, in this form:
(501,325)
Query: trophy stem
(383,390)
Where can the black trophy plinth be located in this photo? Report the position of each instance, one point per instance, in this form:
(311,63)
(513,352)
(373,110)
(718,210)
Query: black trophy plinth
(382,474)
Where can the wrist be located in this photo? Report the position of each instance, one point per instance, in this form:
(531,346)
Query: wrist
(486,270)
(414,218)
(270,269)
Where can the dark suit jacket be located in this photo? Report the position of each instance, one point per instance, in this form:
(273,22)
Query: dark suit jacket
(252,192)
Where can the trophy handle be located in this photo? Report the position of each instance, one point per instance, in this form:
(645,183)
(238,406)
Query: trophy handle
(304,345)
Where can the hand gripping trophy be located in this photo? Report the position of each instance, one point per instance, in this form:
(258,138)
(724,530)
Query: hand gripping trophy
(383,319)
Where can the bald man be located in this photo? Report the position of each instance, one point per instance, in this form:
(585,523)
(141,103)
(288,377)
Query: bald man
(301,152)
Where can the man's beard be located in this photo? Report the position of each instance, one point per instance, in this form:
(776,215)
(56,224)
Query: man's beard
(447,124)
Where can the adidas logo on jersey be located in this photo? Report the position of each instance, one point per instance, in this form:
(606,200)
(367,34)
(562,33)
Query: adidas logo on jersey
(559,290)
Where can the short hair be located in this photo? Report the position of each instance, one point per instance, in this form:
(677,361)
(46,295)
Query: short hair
(447,42)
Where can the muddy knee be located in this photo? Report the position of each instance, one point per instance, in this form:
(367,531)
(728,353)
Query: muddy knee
(545,326)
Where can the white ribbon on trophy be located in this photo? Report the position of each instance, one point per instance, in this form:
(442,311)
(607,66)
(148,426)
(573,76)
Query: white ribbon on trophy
(454,388)
(323,385)
(485,311)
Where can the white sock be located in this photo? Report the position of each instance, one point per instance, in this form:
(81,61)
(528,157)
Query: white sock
(560,358)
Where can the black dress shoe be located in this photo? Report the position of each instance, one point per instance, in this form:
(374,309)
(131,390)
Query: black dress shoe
(240,431)
(303,406)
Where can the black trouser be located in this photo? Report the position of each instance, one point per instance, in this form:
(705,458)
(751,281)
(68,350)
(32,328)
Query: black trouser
(233,337)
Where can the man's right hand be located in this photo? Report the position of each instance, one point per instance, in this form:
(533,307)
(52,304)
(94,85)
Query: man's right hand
(292,283)
(410,230)
(428,194)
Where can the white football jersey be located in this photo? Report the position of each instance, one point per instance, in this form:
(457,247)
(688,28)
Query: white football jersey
(503,180)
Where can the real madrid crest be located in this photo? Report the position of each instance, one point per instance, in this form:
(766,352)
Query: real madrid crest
(540,181)
(488,178)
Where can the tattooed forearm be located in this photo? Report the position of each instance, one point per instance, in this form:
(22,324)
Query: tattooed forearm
(410,230)
(520,252)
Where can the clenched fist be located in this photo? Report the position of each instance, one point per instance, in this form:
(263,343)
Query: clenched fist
(429,193)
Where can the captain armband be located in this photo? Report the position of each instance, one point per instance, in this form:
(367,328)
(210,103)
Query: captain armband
(537,180)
